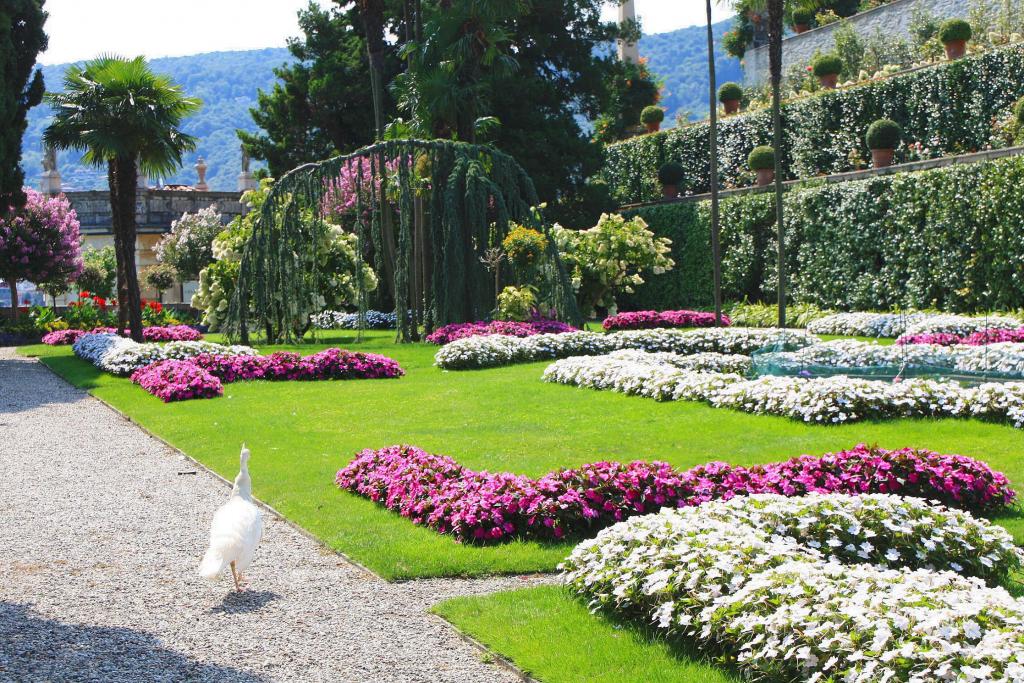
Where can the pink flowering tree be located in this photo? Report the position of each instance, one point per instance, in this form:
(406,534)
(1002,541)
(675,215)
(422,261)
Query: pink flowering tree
(40,243)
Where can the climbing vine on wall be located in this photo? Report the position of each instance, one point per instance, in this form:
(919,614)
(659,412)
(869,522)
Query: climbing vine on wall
(425,212)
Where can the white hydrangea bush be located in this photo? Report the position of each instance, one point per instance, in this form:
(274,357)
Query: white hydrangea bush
(820,400)
(821,588)
(491,351)
(121,356)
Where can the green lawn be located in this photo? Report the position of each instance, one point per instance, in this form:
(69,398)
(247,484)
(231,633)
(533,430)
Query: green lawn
(500,419)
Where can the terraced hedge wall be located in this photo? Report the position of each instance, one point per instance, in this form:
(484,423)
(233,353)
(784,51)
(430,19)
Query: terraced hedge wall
(951,238)
(948,108)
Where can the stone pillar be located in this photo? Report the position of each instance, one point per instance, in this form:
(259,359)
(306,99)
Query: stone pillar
(246,180)
(50,181)
(200,167)
(628,52)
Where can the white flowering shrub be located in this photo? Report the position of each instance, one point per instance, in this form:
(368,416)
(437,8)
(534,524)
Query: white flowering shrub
(907,324)
(122,356)
(819,588)
(1004,358)
(340,320)
(491,351)
(821,400)
(960,325)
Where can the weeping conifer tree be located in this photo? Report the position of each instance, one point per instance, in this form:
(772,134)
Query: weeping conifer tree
(427,212)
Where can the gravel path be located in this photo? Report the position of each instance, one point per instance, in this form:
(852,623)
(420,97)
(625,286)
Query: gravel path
(100,537)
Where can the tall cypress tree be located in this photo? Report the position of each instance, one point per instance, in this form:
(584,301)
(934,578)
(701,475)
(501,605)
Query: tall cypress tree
(21,40)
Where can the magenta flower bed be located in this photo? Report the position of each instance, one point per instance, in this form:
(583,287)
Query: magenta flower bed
(979,338)
(642,320)
(449,333)
(435,491)
(284,365)
(177,380)
(150,334)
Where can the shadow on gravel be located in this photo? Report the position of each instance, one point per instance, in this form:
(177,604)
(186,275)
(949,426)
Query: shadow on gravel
(246,601)
(20,390)
(33,648)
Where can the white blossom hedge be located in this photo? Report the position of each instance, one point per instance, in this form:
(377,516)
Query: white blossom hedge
(819,400)
(491,351)
(907,324)
(1005,358)
(871,588)
(121,356)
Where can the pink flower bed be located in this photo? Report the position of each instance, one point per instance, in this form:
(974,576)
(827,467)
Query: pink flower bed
(435,491)
(284,365)
(642,320)
(177,380)
(150,334)
(979,338)
(449,333)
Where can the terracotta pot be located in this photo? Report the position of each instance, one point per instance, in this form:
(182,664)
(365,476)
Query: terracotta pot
(670,191)
(801,28)
(731,106)
(653,127)
(828,81)
(765,176)
(955,49)
(880,158)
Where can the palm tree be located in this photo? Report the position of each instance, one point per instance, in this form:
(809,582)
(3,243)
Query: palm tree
(713,144)
(119,113)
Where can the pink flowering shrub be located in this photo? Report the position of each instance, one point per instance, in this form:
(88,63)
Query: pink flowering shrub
(435,491)
(979,338)
(177,380)
(642,320)
(449,333)
(150,334)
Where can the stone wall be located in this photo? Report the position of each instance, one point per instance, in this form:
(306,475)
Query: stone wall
(155,210)
(892,20)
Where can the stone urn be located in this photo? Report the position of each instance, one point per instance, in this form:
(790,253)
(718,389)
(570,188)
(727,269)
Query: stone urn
(669,191)
(828,81)
(765,176)
(955,49)
(880,158)
(801,28)
(653,126)
(731,106)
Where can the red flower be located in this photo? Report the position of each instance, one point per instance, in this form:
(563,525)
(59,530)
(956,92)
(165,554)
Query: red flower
(84,294)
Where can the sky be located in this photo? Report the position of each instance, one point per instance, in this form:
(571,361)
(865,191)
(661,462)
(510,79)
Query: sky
(81,29)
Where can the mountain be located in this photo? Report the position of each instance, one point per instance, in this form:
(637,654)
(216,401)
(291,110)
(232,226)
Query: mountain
(680,58)
(226,82)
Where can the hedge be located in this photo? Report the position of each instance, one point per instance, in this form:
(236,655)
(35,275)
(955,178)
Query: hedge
(949,108)
(949,238)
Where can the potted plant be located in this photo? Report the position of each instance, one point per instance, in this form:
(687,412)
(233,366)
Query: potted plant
(827,68)
(652,117)
(730,95)
(762,162)
(670,175)
(954,35)
(883,138)
(802,18)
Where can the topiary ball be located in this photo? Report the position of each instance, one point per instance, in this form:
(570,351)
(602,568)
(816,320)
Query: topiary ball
(652,114)
(671,173)
(802,15)
(884,134)
(827,65)
(953,30)
(761,158)
(1018,111)
(730,91)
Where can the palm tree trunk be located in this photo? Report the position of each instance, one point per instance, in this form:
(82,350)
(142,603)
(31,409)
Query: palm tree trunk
(122,201)
(716,255)
(775,12)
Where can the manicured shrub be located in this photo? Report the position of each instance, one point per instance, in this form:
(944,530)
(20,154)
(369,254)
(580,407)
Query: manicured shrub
(437,492)
(652,114)
(730,91)
(1018,111)
(827,65)
(884,134)
(671,173)
(761,158)
(954,29)
(802,15)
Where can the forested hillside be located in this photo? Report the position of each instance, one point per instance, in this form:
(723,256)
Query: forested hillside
(227,83)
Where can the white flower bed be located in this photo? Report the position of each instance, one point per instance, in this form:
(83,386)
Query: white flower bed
(826,400)
(490,351)
(122,356)
(897,324)
(1005,358)
(340,320)
(825,587)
